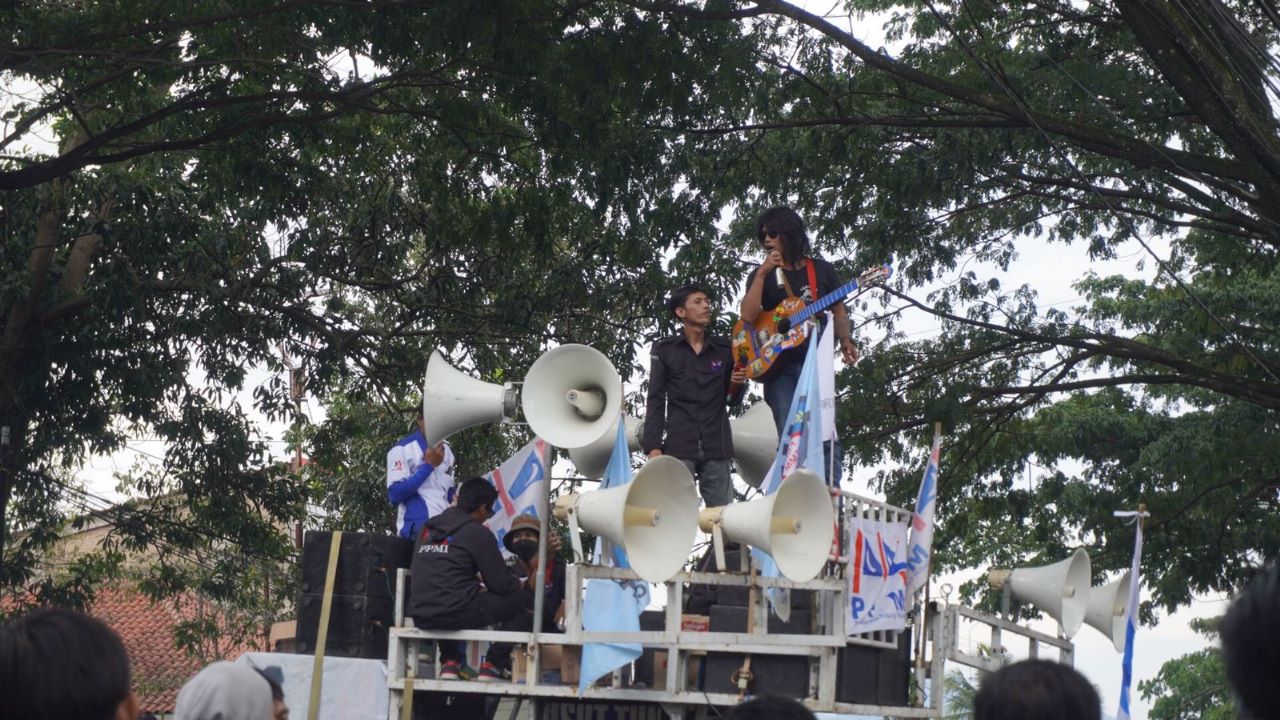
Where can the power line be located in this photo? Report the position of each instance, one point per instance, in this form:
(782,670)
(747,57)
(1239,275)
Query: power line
(106,507)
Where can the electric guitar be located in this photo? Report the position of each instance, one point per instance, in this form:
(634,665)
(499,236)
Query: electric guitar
(757,345)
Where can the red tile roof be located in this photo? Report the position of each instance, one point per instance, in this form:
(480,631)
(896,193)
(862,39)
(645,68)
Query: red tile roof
(159,666)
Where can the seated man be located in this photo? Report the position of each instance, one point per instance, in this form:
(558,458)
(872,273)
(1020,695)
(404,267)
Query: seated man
(522,541)
(444,593)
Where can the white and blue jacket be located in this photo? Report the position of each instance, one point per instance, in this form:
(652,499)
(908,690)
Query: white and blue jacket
(417,489)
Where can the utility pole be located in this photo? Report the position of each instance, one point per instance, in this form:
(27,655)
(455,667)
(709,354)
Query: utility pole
(5,489)
(296,393)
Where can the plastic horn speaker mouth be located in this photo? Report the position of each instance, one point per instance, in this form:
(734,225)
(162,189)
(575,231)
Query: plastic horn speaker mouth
(1061,589)
(571,396)
(654,518)
(795,525)
(755,443)
(1106,609)
(453,401)
(592,460)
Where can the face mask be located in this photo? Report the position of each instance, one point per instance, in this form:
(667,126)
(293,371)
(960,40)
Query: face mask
(525,550)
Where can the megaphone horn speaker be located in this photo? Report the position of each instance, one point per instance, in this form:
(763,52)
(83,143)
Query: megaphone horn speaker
(592,460)
(452,400)
(795,524)
(1061,589)
(571,396)
(1105,610)
(654,518)
(755,443)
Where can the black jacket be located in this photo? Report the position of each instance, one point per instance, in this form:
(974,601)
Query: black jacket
(686,410)
(449,553)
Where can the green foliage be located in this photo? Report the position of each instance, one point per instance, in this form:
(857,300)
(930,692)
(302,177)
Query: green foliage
(960,692)
(354,186)
(1191,687)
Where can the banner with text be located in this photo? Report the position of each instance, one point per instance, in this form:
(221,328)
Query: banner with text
(878,581)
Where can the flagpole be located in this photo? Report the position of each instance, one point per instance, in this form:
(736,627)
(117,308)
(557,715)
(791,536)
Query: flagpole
(921,639)
(1131,609)
(539,589)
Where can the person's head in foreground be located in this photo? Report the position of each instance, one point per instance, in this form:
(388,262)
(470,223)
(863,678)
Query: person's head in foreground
(274,677)
(770,708)
(1036,690)
(225,691)
(1250,634)
(57,663)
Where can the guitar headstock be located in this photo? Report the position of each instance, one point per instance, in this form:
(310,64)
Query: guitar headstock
(877,275)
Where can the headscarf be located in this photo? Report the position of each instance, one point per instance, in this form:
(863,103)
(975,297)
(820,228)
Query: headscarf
(225,691)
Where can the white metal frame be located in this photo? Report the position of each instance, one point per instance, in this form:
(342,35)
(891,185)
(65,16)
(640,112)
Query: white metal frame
(936,623)
(952,614)
(677,699)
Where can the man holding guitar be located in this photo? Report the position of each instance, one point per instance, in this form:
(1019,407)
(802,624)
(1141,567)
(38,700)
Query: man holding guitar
(789,274)
(685,413)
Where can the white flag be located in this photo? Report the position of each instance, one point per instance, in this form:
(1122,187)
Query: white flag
(827,381)
(921,548)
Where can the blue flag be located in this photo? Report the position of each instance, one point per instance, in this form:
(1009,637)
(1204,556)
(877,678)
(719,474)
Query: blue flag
(799,447)
(608,605)
(1131,616)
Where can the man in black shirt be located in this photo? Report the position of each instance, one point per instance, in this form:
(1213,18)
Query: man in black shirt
(453,548)
(782,234)
(689,380)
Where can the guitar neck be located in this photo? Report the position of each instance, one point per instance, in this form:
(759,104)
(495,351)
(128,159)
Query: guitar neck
(826,301)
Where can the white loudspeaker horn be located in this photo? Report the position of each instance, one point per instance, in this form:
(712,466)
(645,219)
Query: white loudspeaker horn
(1060,589)
(1106,608)
(755,443)
(795,524)
(571,396)
(654,517)
(452,400)
(593,459)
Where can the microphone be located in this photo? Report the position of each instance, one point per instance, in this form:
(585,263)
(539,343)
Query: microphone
(777,273)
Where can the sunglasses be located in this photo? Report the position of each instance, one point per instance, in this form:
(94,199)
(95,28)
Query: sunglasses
(769,234)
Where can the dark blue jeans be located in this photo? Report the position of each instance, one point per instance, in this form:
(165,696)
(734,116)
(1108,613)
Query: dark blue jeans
(714,483)
(779,390)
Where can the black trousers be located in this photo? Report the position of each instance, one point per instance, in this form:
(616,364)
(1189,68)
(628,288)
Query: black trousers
(499,653)
(505,611)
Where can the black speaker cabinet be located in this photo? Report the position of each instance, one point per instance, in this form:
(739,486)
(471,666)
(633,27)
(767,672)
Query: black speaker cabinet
(443,706)
(733,619)
(777,675)
(800,599)
(366,563)
(874,676)
(358,625)
(783,675)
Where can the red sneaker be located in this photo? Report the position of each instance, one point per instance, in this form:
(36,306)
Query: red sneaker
(492,673)
(449,670)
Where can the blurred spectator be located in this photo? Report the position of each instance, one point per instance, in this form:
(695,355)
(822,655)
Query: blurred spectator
(225,691)
(770,708)
(1036,690)
(58,663)
(275,677)
(1251,646)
